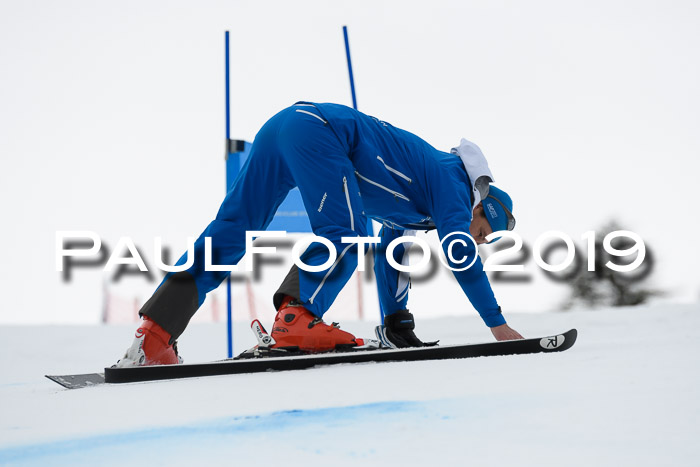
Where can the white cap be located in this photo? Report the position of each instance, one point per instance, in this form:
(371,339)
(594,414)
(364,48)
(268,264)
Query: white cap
(477,168)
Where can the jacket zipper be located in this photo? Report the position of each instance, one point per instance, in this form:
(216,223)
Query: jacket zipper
(394,171)
(395,193)
(347,198)
(352,226)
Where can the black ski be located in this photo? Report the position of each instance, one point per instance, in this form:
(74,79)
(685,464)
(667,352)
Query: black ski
(557,343)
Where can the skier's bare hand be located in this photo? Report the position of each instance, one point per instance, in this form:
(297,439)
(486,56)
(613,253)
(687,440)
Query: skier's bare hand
(505,333)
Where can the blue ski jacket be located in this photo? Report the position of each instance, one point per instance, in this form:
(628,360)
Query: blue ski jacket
(348,166)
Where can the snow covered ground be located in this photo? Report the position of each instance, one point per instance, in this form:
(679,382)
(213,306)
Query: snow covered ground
(626,394)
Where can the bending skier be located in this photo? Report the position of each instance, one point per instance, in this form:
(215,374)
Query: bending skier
(349,167)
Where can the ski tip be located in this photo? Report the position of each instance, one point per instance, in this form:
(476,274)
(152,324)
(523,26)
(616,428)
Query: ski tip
(559,342)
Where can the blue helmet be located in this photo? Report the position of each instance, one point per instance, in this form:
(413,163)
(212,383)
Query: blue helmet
(498,209)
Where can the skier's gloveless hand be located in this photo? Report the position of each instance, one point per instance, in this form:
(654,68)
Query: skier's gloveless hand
(505,333)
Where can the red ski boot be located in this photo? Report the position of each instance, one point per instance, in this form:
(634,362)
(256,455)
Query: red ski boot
(296,327)
(150,347)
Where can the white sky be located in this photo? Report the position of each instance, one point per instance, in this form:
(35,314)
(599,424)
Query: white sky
(112,119)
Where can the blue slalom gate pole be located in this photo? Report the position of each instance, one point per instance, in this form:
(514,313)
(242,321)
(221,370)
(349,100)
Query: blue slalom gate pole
(229,320)
(352,80)
(370,227)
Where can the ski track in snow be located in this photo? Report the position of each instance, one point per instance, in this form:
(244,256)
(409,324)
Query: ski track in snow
(626,394)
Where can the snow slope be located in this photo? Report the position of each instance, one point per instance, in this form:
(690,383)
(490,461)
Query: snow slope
(626,394)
